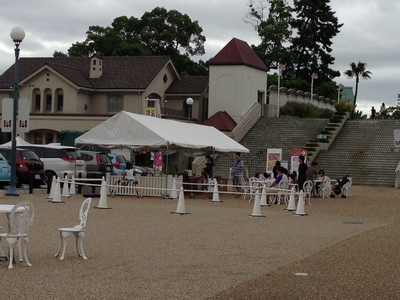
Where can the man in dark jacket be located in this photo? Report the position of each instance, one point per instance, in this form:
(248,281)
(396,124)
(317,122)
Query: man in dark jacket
(302,172)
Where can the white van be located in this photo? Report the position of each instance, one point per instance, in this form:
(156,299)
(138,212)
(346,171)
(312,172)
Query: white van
(60,161)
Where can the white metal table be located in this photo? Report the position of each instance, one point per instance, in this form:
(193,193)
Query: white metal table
(5,208)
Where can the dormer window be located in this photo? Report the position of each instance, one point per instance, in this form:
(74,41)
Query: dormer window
(94,62)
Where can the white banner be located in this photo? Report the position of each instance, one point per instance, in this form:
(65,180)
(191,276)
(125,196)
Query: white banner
(7,114)
(23,115)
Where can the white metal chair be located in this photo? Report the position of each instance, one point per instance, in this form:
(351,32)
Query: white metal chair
(346,188)
(307,189)
(78,231)
(325,188)
(283,192)
(251,188)
(20,220)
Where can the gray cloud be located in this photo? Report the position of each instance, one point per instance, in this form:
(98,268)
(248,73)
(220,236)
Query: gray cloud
(369,33)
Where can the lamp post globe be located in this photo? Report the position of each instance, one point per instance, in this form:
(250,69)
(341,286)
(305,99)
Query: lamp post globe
(17,34)
(189,102)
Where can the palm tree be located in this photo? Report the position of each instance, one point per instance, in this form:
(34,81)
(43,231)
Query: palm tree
(358,71)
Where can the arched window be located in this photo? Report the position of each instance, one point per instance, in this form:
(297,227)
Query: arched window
(60,99)
(36,99)
(49,100)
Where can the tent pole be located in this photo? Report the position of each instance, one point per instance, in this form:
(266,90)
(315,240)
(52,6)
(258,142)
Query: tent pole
(191,195)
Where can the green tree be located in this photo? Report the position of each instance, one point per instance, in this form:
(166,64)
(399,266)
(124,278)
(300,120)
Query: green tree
(327,89)
(59,54)
(358,71)
(274,30)
(315,26)
(159,32)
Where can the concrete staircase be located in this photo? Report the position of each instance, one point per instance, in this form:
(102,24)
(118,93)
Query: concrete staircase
(327,136)
(363,150)
(286,133)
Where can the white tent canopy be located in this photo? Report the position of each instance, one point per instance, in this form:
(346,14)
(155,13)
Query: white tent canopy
(18,140)
(135,131)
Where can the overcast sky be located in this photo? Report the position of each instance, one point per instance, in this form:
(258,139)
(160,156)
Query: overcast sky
(370,33)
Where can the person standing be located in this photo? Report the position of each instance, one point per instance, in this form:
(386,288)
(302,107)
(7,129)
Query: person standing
(302,172)
(312,172)
(237,169)
(209,174)
(382,111)
(373,112)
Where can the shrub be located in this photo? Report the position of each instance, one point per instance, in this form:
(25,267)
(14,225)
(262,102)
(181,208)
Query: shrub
(302,110)
(342,107)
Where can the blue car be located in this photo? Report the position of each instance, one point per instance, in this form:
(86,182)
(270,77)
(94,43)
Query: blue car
(5,171)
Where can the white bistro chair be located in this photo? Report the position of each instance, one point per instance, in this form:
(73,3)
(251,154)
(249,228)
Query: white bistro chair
(251,189)
(346,188)
(283,192)
(20,220)
(307,189)
(77,230)
(325,188)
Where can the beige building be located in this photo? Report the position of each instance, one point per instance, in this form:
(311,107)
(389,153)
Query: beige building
(78,93)
(238,80)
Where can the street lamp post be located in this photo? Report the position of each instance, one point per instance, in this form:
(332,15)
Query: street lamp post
(281,67)
(313,76)
(189,102)
(17,35)
(165,106)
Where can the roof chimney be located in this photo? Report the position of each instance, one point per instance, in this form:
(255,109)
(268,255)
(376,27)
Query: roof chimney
(96,67)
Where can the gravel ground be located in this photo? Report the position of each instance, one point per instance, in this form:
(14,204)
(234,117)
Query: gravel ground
(137,249)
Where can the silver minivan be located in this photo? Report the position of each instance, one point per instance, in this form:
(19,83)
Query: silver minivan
(59,161)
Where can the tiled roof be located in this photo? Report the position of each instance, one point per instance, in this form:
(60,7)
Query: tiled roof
(221,121)
(188,85)
(119,72)
(238,52)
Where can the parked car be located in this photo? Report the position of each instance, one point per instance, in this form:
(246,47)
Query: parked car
(96,163)
(60,161)
(118,162)
(119,166)
(143,171)
(28,165)
(5,170)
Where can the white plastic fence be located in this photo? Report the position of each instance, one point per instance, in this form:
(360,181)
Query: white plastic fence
(148,185)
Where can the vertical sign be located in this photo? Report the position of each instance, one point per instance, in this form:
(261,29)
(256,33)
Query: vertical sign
(7,115)
(151,111)
(294,166)
(273,155)
(23,115)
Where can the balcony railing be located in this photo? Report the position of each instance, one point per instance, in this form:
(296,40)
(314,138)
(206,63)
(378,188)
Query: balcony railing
(174,113)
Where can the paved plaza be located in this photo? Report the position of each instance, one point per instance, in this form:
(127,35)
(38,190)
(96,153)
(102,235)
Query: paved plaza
(345,248)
